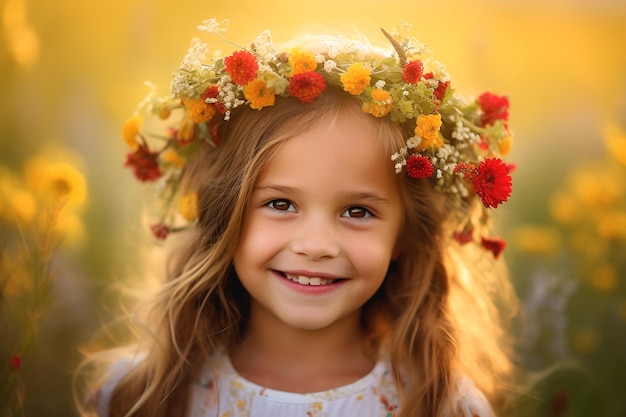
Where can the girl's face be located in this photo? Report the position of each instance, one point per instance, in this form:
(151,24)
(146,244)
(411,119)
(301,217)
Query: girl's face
(321,226)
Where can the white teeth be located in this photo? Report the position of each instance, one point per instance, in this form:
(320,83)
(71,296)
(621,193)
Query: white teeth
(304,280)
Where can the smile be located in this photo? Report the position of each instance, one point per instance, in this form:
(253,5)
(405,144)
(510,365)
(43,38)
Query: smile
(304,280)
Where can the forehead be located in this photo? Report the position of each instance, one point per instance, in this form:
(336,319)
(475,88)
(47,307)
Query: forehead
(340,149)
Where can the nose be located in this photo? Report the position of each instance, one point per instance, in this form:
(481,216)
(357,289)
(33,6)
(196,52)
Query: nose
(316,238)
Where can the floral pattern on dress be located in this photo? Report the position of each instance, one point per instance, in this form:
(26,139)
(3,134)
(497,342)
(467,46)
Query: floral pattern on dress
(222,392)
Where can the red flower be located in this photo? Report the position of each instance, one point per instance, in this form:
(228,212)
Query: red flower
(144,164)
(496,246)
(440,91)
(160,230)
(492,182)
(464,236)
(412,72)
(211,91)
(241,66)
(418,166)
(213,130)
(307,86)
(16,362)
(494,108)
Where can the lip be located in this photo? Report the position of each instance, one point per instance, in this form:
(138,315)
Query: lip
(306,288)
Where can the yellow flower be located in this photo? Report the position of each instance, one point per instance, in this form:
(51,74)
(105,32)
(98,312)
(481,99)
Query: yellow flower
(21,206)
(259,96)
(612,225)
(504,145)
(564,209)
(301,61)
(170,156)
(188,206)
(70,227)
(428,130)
(57,180)
(198,110)
(356,79)
(130,130)
(381,106)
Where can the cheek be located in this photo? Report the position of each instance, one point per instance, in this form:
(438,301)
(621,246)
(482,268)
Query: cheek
(258,240)
(372,256)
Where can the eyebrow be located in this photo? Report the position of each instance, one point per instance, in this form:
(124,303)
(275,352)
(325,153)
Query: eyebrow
(359,196)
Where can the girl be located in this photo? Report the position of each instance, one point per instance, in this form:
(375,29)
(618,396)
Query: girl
(337,260)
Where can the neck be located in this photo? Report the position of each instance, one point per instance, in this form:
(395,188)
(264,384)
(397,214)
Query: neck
(278,356)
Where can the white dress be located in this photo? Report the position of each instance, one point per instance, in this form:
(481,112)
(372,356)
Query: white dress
(225,393)
(220,391)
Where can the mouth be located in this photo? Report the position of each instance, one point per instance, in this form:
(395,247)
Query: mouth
(306,280)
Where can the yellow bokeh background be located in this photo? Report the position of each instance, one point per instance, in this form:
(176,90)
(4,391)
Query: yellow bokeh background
(72,71)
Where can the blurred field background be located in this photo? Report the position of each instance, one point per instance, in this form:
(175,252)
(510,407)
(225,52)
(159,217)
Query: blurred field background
(72,71)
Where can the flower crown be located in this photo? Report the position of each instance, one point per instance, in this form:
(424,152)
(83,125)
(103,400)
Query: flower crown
(456,144)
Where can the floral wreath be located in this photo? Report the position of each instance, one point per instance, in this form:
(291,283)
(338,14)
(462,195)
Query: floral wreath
(458,145)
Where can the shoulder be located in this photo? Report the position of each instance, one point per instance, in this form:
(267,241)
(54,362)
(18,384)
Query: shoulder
(115,373)
(470,400)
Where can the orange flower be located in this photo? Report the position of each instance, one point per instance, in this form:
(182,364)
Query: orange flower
(241,66)
(381,106)
(198,110)
(301,61)
(259,96)
(428,130)
(356,79)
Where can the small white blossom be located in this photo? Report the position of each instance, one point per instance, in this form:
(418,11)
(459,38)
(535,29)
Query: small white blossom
(215,27)
(439,173)
(195,54)
(330,65)
(264,48)
(380,84)
(413,142)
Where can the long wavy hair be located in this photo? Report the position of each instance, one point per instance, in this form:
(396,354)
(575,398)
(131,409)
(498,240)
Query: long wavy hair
(436,315)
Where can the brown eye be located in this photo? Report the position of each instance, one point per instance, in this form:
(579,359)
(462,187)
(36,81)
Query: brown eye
(357,213)
(281,205)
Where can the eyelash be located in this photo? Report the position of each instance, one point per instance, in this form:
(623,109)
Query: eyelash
(367,213)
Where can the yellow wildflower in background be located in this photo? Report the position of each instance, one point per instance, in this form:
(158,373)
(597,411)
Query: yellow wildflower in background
(259,95)
(130,130)
(356,79)
(301,61)
(20,206)
(188,206)
(56,180)
(564,208)
(612,225)
(428,130)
